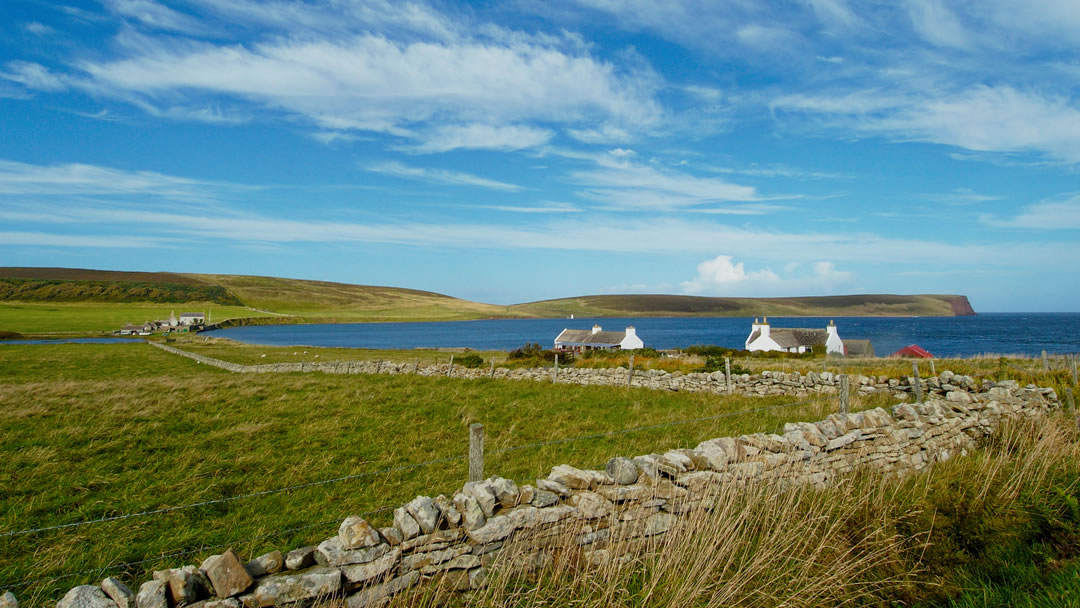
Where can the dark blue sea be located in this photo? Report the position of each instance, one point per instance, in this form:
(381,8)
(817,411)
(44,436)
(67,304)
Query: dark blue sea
(1004,333)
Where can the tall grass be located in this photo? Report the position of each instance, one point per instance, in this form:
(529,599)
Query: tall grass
(1000,527)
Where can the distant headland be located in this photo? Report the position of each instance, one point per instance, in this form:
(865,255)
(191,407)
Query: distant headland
(282,300)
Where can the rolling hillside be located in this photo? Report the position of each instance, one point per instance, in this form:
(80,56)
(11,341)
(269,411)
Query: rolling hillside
(47,300)
(871,305)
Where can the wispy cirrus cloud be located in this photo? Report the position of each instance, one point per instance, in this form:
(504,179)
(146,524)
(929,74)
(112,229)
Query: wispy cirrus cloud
(441,176)
(77,179)
(1055,214)
(406,70)
(629,185)
(983,118)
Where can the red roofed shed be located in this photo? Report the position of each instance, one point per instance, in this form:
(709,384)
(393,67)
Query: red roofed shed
(913,350)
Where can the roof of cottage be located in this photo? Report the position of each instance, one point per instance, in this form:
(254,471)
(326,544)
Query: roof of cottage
(794,336)
(586,337)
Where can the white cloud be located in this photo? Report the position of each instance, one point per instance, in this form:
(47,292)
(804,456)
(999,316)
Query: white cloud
(1063,214)
(155,15)
(962,196)
(629,185)
(937,24)
(33,76)
(38,29)
(722,276)
(377,83)
(44,239)
(75,179)
(480,137)
(982,118)
(441,176)
(606,134)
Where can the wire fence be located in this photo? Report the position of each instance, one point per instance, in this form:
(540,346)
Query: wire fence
(386,470)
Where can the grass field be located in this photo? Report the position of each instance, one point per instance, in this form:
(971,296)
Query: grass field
(254,354)
(90,431)
(99,317)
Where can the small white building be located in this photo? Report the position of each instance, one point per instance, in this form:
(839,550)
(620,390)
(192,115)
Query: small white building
(579,340)
(793,340)
(192,318)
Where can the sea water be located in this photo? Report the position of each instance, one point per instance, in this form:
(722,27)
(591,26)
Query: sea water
(1004,333)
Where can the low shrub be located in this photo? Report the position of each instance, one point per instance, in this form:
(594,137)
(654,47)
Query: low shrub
(470,361)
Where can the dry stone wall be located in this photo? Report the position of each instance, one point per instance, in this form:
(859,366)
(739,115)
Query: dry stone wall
(764,384)
(459,539)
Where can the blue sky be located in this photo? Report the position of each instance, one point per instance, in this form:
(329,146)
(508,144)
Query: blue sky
(515,151)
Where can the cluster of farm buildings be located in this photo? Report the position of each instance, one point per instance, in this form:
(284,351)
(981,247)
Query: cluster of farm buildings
(763,337)
(186,322)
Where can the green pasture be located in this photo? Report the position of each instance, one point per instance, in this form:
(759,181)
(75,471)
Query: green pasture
(91,431)
(99,317)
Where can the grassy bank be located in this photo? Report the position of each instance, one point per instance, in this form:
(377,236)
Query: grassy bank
(90,318)
(92,431)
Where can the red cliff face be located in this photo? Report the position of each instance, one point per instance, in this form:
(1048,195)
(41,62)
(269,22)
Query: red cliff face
(961,307)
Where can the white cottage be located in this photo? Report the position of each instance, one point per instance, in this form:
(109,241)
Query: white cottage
(192,318)
(579,340)
(793,340)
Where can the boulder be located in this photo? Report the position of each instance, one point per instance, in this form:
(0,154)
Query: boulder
(447,511)
(404,521)
(577,479)
(496,528)
(268,563)
(472,515)
(392,535)
(227,574)
(357,574)
(330,552)
(8,600)
(356,533)
(590,505)
(426,514)
(622,470)
(85,596)
(118,592)
(185,587)
(316,583)
(505,490)
(301,558)
(152,595)
(377,593)
(484,495)
(543,498)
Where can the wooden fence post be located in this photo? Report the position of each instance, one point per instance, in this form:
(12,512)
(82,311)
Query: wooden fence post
(845,394)
(1046,362)
(933,369)
(491,374)
(727,373)
(378,366)
(450,371)
(416,366)
(1070,401)
(630,372)
(555,369)
(1074,369)
(476,451)
(916,383)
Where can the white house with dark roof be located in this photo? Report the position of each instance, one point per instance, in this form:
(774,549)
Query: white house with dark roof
(579,340)
(192,318)
(793,340)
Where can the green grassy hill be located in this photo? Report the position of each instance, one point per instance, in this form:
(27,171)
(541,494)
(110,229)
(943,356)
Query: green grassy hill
(74,300)
(870,305)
